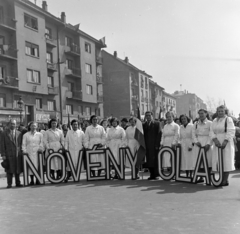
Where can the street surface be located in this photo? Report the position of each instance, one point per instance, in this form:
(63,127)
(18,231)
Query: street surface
(128,206)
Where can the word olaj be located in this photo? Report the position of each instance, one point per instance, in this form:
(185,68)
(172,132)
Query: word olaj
(201,168)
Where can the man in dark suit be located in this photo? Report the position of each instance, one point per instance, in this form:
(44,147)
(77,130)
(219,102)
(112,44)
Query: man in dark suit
(152,136)
(11,151)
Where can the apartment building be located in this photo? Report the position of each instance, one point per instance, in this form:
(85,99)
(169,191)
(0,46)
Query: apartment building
(169,103)
(125,87)
(188,102)
(53,66)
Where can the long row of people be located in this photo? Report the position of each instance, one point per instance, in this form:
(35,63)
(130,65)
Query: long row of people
(203,133)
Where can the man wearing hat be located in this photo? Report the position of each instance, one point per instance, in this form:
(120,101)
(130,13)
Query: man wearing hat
(124,123)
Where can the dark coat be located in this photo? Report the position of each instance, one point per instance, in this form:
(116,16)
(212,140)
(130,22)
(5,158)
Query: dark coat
(152,136)
(11,149)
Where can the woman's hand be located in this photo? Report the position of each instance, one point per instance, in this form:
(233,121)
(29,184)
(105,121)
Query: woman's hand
(224,144)
(160,147)
(174,146)
(189,149)
(216,142)
(198,144)
(207,147)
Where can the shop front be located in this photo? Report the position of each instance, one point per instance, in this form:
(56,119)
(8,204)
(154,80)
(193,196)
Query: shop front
(7,114)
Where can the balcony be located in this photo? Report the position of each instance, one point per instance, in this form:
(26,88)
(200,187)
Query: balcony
(8,23)
(8,53)
(53,90)
(146,100)
(73,72)
(77,95)
(99,79)
(99,60)
(9,82)
(142,99)
(50,41)
(99,98)
(72,50)
(134,83)
(51,66)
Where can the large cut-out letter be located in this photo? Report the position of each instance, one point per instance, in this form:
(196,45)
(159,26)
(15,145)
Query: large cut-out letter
(218,182)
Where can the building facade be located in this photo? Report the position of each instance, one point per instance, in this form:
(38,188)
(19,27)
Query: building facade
(125,87)
(55,67)
(188,102)
(169,103)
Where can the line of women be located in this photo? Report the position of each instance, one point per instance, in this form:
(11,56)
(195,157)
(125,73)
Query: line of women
(203,133)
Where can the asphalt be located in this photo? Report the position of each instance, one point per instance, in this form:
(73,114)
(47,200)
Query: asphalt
(128,206)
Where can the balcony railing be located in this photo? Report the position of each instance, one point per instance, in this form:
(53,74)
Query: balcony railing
(73,49)
(51,66)
(8,22)
(99,79)
(9,82)
(99,98)
(99,60)
(74,95)
(10,53)
(53,90)
(75,72)
(50,41)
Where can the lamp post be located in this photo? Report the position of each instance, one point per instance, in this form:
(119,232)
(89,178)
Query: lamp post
(20,105)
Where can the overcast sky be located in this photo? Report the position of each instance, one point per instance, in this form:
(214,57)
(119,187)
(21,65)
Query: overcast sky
(195,43)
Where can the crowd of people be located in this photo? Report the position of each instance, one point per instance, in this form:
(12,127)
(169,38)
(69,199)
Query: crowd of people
(221,131)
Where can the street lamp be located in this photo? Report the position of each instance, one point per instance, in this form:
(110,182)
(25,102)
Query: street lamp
(20,105)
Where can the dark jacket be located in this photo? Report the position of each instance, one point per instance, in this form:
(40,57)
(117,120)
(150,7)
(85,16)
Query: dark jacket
(152,136)
(11,149)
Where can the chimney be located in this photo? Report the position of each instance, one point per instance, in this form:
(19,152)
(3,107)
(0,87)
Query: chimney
(44,5)
(115,54)
(126,60)
(63,17)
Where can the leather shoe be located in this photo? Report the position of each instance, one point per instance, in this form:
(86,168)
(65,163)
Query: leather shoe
(9,186)
(225,184)
(151,178)
(20,185)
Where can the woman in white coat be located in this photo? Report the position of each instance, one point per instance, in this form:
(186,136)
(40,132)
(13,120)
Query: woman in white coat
(170,137)
(222,134)
(74,142)
(95,135)
(131,142)
(186,142)
(53,139)
(32,144)
(116,138)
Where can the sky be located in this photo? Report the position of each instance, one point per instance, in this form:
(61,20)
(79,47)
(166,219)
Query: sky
(193,43)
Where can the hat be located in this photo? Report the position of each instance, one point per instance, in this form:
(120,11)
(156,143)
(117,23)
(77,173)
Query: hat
(5,164)
(124,120)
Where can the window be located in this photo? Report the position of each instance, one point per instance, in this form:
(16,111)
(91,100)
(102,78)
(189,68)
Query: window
(80,110)
(30,22)
(38,103)
(69,64)
(48,33)
(69,109)
(2,100)
(146,82)
(33,76)
(142,81)
(2,71)
(31,49)
(89,89)
(68,41)
(51,105)
(88,68)
(88,111)
(50,81)
(70,86)
(88,47)
(156,103)
(142,109)
(49,57)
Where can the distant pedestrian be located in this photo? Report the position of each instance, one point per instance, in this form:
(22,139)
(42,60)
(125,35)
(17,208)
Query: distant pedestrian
(124,123)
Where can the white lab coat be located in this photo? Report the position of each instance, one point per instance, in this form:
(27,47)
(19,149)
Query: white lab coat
(218,131)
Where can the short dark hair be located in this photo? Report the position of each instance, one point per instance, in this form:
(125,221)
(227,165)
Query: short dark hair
(114,119)
(205,111)
(91,118)
(134,119)
(50,122)
(64,126)
(169,112)
(124,120)
(188,119)
(29,125)
(102,121)
(149,112)
(74,121)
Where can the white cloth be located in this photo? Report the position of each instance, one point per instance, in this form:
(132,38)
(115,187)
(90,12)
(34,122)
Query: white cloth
(54,140)
(170,136)
(218,131)
(93,136)
(201,134)
(32,142)
(116,138)
(74,142)
(131,143)
(186,143)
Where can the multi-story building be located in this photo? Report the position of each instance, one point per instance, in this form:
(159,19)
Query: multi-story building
(55,67)
(156,94)
(188,102)
(125,87)
(169,103)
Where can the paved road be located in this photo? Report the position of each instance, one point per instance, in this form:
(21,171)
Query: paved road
(128,206)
